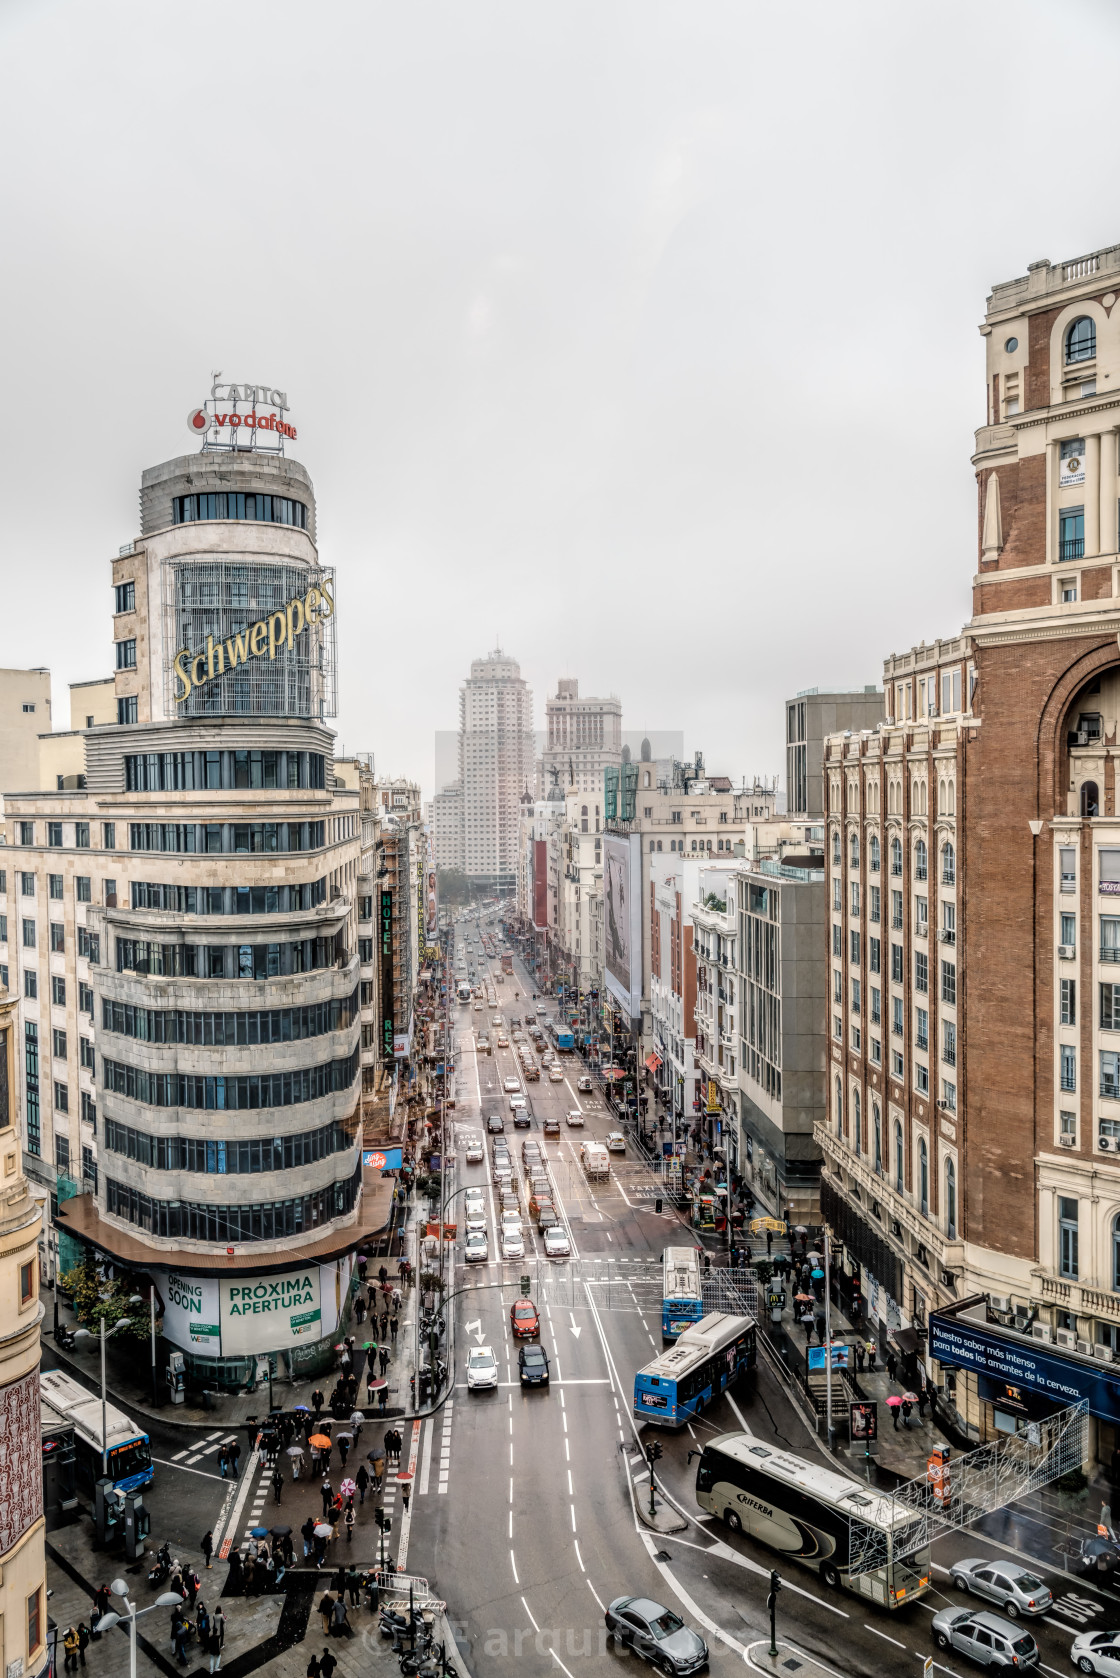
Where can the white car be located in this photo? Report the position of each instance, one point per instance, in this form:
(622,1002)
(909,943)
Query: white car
(482,1368)
(513,1243)
(503,1040)
(541,1009)
(555,1075)
(475,1219)
(517,1103)
(1097,1651)
(574,1118)
(477,1249)
(475,1151)
(475,1197)
(511,1086)
(616,1142)
(547,1058)
(478,1007)
(556,1243)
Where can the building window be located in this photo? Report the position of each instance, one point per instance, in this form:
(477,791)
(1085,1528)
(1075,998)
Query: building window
(837,985)
(54,834)
(27,833)
(853,951)
(897,1024)
(85,1000)
(108,836)
(921,913)
(876,1051)
(877,1124)
(1068,587)
(127,709)
(921,1016)
(921,973)
(875,904)
(1069,1067)
(1068,1124)
(1081,341)
(949,1095)
(897,1064)
(857,1121)
(54,886)
(1067,866)
(837,894)
(838,1028)
(34,1622)
(874,955)
(873,853)
(921,861)
(853,851)
(26,1283)
(61,1098)
(950,1200)
(876,1006)
(86,1053)
(922,1079)
(30,984)
(839,1107)
(82,888)
(58,938)
(58,1044)
(89,1110)
(1067,1236)
(1110,938)
(126,654)
(855,897)
(81,835)
(29,935)
(856,996)
(923,1178)
(836,850)
(1068,990)
(58,990)
(896,857)
(837,939)
(949,982)
(124,598)
(1071,533)
(948,1042)
(1110,1074)
(896,910)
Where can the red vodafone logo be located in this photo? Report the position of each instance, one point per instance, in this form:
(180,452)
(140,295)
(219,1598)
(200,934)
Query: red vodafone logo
(198,420)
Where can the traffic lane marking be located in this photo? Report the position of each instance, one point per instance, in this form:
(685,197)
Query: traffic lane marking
(164,1462)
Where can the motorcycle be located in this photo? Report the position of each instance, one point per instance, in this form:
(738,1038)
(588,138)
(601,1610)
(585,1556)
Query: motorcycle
(64,1338)
(391,1623)
(161,1567)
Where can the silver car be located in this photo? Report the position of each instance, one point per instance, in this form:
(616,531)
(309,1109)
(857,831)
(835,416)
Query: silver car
(988,1639)
(1017,1590)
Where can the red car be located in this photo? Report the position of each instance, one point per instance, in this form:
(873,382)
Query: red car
(523,1319)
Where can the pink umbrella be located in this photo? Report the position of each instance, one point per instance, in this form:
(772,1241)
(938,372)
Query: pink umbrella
(894,1401)
(348,1488)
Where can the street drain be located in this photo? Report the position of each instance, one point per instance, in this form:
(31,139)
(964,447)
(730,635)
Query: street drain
(792,1665)
(662,1555)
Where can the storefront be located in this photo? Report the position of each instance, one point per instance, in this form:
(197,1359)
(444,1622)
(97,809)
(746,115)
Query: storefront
(1006,1381)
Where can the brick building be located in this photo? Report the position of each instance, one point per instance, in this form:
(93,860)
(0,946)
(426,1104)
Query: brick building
(973,856)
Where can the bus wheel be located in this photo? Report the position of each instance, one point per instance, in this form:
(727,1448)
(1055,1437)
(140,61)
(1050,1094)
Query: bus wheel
(830,1574)
(733,1520)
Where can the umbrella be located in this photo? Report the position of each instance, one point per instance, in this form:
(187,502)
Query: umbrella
(814,1254)
(804,1298)
(259,1532)
(322,1529)
(374,1385)
(799,1229)
(909,1398)
(894,1401)
(818,1275)
(404,1479)
(280,1532)
(357,1418)
(303,1407)
(348,1488)
(295,1450)
(344,1436)
(320,1442)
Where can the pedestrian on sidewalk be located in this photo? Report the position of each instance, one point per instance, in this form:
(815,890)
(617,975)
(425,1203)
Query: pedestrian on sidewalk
(349,1520)
(223,1461)
(383,1358)
(307,1533)
(213,1648)
(378,1472)
(343,1448)
(234,1458)
(807,1325)
(327,1664)
(277,1485)
(361,1480)
(393,1328)
(871,1350)
(83,1642)
(70,1644)
(895,1408)
(406,1493)
(383,1398)
(892,1361)
(326,1609)
(906,1407)
(923,1399)
(316,1403)
(207,1548)
(371,1375)
(326,1492)
(342,1626)
(313,1667)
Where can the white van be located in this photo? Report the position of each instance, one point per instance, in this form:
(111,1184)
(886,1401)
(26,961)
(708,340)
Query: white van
(595,1159)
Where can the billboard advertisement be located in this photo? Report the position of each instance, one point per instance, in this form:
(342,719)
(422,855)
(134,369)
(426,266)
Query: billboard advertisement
(271,1313)
(622,920)
(191,1312)
(1025,1363)
(431,899)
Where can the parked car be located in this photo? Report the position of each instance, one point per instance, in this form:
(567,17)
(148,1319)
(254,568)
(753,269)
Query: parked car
(1016,1589)
(656,1633)
(986,1638)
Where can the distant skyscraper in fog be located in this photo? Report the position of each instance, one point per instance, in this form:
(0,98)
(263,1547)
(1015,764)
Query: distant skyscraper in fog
(582,736)
(476,818)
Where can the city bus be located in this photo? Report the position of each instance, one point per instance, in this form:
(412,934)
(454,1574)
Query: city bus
(507,961)
(560,1037)
(682,1302)
(707,1359)
(464,991)
(812,1514)
(128,1449)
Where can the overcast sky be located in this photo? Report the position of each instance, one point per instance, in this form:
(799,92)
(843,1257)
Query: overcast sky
(640,336)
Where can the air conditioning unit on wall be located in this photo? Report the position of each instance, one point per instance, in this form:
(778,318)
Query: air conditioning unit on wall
(1106,1144)
(1103,1352)
(1065,952)
(1041,1331)
(999,1302)
(1065,1337)
(1067,1141)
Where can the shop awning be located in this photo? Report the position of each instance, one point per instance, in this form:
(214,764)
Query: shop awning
(653,1062)
(612,1072)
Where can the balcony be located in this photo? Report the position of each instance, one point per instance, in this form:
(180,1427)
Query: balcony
(1073,548)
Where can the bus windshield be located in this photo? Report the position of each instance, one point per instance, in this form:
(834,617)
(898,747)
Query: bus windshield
(134,1457)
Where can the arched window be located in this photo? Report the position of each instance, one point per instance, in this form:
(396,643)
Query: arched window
(1090,799)
(1081,340)
(921,861)
(948,865)
(583,821)
(839,1108)
(659,844)
(645,778)
(853,851)
(857,1122)
(923,1179)
(950,1200)
(899,1162)
(835,850)
(873,853)
(877,1122)
(896,857)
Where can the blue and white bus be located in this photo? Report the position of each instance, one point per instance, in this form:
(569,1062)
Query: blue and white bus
(128,1451)
(691,1375)
(560,1037)
(681,1300)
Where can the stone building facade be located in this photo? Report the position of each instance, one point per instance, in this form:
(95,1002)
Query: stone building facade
(973,857)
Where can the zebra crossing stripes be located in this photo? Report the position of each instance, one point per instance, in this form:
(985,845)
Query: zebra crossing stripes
(445,1445)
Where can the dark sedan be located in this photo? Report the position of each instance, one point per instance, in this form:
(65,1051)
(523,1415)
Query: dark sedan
(655,1632)
(532,1362)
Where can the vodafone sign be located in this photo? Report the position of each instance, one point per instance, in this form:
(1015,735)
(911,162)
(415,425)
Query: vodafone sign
(232,419)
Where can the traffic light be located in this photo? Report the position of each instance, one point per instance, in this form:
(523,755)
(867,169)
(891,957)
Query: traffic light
(384,1521)
(524,1284)
(775,1585)
(653,1451)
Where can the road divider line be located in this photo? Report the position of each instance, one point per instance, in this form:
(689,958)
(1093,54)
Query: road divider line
(426,1463)
(883,1635)
(406,1518)
(230,1516)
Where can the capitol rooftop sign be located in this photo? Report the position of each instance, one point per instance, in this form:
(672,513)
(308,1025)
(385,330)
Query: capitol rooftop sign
(242,417)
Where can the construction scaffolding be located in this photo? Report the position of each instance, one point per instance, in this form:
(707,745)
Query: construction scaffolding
(957,1490)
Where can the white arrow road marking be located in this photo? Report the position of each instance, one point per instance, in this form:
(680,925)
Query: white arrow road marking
(575,1330)
(475,1328)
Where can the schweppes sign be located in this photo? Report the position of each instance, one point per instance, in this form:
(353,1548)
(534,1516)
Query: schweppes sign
(268,636)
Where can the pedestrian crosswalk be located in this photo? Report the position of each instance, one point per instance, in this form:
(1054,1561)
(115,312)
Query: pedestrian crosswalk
(445,1445)
(195,1453)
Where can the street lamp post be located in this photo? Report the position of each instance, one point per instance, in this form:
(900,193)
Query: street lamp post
(169,1599)
(84,1334)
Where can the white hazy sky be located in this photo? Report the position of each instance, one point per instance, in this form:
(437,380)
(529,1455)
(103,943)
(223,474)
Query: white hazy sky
(641,335)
